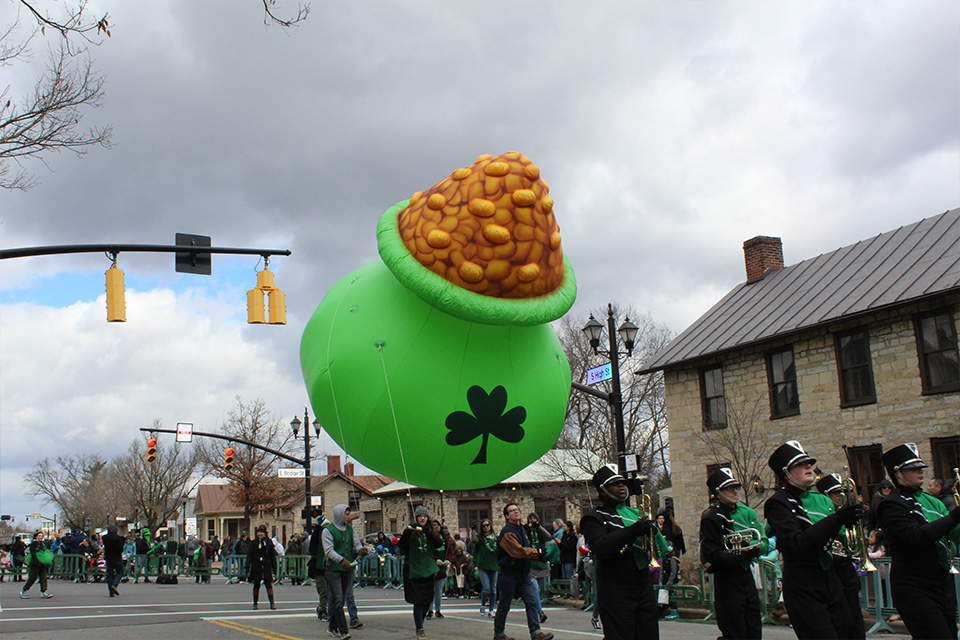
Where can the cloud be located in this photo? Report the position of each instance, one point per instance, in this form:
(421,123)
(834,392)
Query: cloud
(669,133)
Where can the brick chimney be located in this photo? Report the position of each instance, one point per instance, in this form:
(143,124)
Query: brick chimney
(348,469)
(762,254)
(333,464)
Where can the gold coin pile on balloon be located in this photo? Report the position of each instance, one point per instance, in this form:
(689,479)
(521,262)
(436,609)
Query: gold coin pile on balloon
(488,228)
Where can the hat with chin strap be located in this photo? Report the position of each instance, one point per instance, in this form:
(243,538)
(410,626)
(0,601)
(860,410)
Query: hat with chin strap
(605,475)
(830,483)
(787,455)
(903,457)
(721,479)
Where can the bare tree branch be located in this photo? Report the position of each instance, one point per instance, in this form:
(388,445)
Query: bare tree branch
(78,486)
(89,487)
(48,119)
(303,10)
(254,484)
(744,444)
(589,422)
(155,491)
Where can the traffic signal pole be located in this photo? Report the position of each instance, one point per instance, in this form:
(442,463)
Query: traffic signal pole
(279,454)
(26,252)
(193,255)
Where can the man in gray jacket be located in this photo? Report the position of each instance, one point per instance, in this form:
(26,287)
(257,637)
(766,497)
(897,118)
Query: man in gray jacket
(341,547)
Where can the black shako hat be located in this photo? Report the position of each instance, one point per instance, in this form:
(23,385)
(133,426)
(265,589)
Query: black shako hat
(787,455)
(605,475)
(830,483)
(905,456)
(721,479)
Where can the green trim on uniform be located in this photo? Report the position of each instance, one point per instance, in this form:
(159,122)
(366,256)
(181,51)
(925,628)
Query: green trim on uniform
(630,515)
(818,507)
(747,518)
(934,509)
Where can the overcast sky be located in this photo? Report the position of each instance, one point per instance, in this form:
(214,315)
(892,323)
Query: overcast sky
(669,133)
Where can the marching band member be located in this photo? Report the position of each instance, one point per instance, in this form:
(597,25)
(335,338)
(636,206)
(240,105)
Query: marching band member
(736,603)
(831,485)
(812,591)
(625,590)
(919,531)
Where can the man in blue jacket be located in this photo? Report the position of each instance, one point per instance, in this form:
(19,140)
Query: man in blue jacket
(514,554)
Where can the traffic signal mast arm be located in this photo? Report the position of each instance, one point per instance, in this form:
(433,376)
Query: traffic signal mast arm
(280,454)
(590,391)
(24,252)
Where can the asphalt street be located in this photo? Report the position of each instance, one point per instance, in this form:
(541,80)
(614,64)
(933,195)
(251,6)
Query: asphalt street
(187,610)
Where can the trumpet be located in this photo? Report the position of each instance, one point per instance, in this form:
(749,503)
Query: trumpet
(649,541)
(743,540)
(856,537)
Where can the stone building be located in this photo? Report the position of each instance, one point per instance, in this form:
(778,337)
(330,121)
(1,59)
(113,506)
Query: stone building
(556,486)
(848,352)
(217,514)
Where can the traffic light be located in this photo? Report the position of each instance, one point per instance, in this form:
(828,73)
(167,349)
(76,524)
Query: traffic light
(278,307)
(255,307)
(116,302)
(256,301)
(228,459)
(315,513)
(151,449)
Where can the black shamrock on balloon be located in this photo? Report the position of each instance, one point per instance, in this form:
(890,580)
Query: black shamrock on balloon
(487,418)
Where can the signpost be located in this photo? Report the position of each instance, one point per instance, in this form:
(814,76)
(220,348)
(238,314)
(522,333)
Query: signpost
(184,432)
(291,473)
(600,373)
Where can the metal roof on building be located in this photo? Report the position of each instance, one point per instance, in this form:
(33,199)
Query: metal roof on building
(905,265)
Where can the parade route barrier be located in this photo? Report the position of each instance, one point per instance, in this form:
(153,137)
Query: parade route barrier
(708,599)
(292,567)
(72,566)
(383,571)
(768,576)
(234,568)
(877,584)
(558,587)
(13,571)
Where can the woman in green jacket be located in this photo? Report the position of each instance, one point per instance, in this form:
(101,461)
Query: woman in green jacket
(417,544)
(486,540)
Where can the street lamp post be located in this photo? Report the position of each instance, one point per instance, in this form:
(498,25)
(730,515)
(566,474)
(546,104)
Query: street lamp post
(295,424)
(627,334)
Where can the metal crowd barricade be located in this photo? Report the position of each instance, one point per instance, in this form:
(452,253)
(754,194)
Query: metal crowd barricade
(769,578)
(877,584)
(234,568)
(293,567)
(168,565)
(69,565)
(707,596)
(394,569)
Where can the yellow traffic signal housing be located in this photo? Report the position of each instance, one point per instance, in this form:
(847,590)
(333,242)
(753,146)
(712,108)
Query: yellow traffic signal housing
(257,302)
(255,307)
(116,303)
(151,449)
(228,459)
(278,307)
(265,280)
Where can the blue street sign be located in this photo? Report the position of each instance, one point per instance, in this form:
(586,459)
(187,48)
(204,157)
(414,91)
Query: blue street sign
(599,374)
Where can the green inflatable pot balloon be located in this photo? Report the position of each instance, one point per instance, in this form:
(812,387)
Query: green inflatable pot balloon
(418,366)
